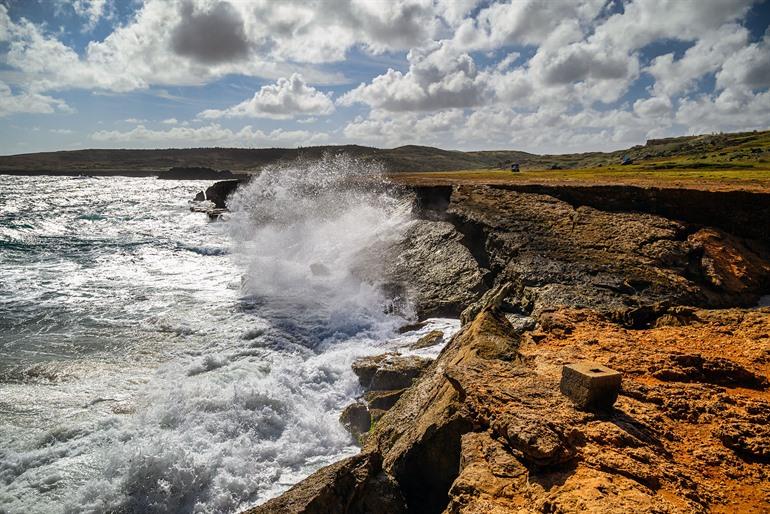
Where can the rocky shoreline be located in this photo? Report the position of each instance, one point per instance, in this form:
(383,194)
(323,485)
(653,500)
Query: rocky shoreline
(541,279)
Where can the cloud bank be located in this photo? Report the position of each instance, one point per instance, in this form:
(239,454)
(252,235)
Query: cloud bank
(555,75)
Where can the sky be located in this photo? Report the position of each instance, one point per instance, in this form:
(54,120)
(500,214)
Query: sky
(546,76)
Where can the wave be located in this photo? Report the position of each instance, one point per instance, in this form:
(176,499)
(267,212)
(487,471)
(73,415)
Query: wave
(299,231)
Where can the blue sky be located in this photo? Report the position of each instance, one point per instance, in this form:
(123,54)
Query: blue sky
(545,76)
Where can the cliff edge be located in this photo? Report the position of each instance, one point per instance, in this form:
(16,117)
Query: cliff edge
(668,302)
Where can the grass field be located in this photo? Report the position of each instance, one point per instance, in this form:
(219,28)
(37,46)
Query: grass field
(718,162)
(752,179)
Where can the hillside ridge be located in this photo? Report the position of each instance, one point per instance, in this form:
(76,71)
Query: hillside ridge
(710,150)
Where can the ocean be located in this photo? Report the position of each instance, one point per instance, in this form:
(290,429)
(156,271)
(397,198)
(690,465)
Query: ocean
(153,360)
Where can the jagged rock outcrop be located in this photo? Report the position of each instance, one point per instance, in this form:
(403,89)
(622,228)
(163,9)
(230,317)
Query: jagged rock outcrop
(430,266)
(384,377)
(485,428)
(388,371)
(632,264)
(583,257)
(219,192)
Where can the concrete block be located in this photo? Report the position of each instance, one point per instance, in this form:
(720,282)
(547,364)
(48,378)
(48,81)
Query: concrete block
(590,386)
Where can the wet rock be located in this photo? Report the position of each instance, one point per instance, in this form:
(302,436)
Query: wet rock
(432,338)
(356,418)
(383,400)
(398,373)
(219,192)
(388,371)
(353,485)
(411,327)
(430,267)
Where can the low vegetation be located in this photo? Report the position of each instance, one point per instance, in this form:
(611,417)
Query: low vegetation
(722,161)
(748,151)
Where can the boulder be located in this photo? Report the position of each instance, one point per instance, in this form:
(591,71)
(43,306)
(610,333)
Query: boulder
(219,192)
(398,373)
(388,371)
(356,419)
(432,338)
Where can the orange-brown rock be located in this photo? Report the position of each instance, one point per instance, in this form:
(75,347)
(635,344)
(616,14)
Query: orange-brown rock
(486,430)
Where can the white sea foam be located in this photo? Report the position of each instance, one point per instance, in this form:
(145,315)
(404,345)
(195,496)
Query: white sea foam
(225,401)
(299,230)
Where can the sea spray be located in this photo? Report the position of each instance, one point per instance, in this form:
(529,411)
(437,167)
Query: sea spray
(299,232)
(203,396)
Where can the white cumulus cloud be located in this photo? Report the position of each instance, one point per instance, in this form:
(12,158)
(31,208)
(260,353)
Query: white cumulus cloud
(285,99)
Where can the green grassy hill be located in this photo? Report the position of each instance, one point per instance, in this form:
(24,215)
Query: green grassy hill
(747,150)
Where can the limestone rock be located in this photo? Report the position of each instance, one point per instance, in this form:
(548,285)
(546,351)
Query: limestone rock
(432,338)
(750,440)
(356,418)
(388,371)
(716,370)
(587,258)
(430,266)
(352,486)
(382,400)
(486,429)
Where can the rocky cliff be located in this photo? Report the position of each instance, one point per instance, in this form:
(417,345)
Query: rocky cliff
(543,282)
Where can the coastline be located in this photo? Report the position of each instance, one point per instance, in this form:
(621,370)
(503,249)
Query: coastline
(667,301)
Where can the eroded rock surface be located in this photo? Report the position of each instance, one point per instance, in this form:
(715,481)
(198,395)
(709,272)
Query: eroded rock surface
(430,266)
(485,429)
(609,261)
